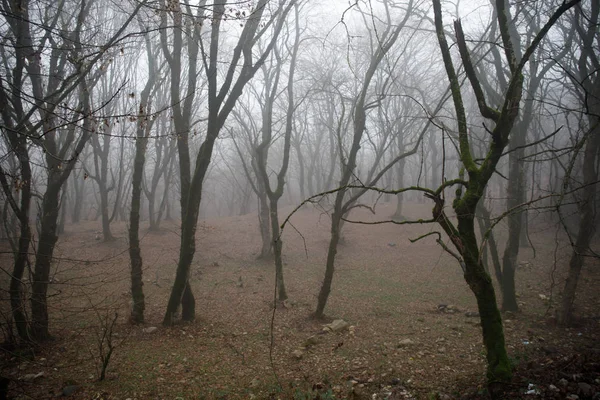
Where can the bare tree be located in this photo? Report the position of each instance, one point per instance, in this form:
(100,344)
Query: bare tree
(381,43)
(586,77)
(462,234)
(222,97)
(41,117)
(267,139)
(144,126)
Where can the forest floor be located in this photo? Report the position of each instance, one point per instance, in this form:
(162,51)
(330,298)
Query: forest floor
(401,342)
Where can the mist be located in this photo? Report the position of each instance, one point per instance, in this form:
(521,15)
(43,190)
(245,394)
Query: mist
(280,199)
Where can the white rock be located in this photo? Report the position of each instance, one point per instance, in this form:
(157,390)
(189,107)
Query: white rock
(32,377)
(150,329)
(337,326)
(298,354)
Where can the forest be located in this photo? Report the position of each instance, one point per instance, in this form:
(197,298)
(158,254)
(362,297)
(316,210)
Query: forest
(294,199)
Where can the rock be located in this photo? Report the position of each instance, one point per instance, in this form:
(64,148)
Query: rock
(405,343)
(441,350)
(471,314)
(525,264)
(392,244)
(572,397)
(255,382)
(563,382)
(543,296)
(451,309)
(150,329)
(298,354)
(553,388)
(31,377)
(447,308)
(585,390)
(532,390)
(337,326)
(69,390)
(311,341)
(287,303)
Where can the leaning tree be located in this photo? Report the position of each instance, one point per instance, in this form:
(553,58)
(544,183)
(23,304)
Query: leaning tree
(475,175)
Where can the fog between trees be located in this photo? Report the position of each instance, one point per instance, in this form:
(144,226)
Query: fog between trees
(151,111)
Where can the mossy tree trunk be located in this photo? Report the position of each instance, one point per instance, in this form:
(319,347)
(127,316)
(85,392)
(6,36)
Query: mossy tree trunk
(463,235)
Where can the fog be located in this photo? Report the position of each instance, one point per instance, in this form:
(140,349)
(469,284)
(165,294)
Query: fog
(263,181)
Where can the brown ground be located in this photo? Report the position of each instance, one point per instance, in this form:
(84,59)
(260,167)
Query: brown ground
(387,288)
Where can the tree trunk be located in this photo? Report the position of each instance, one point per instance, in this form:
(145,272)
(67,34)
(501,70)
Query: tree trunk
(587,223)
(39,288)
(17,300)
(151,211)
(16,284)
(484,217)
(329,266)
(435,172)
(301,167)
(64,204)
(137,291)
(106,233)
(277,250)
(499,368)
(78,199)
(263,221)
(245,201)
(400,181)
(516,196)
(181,293)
